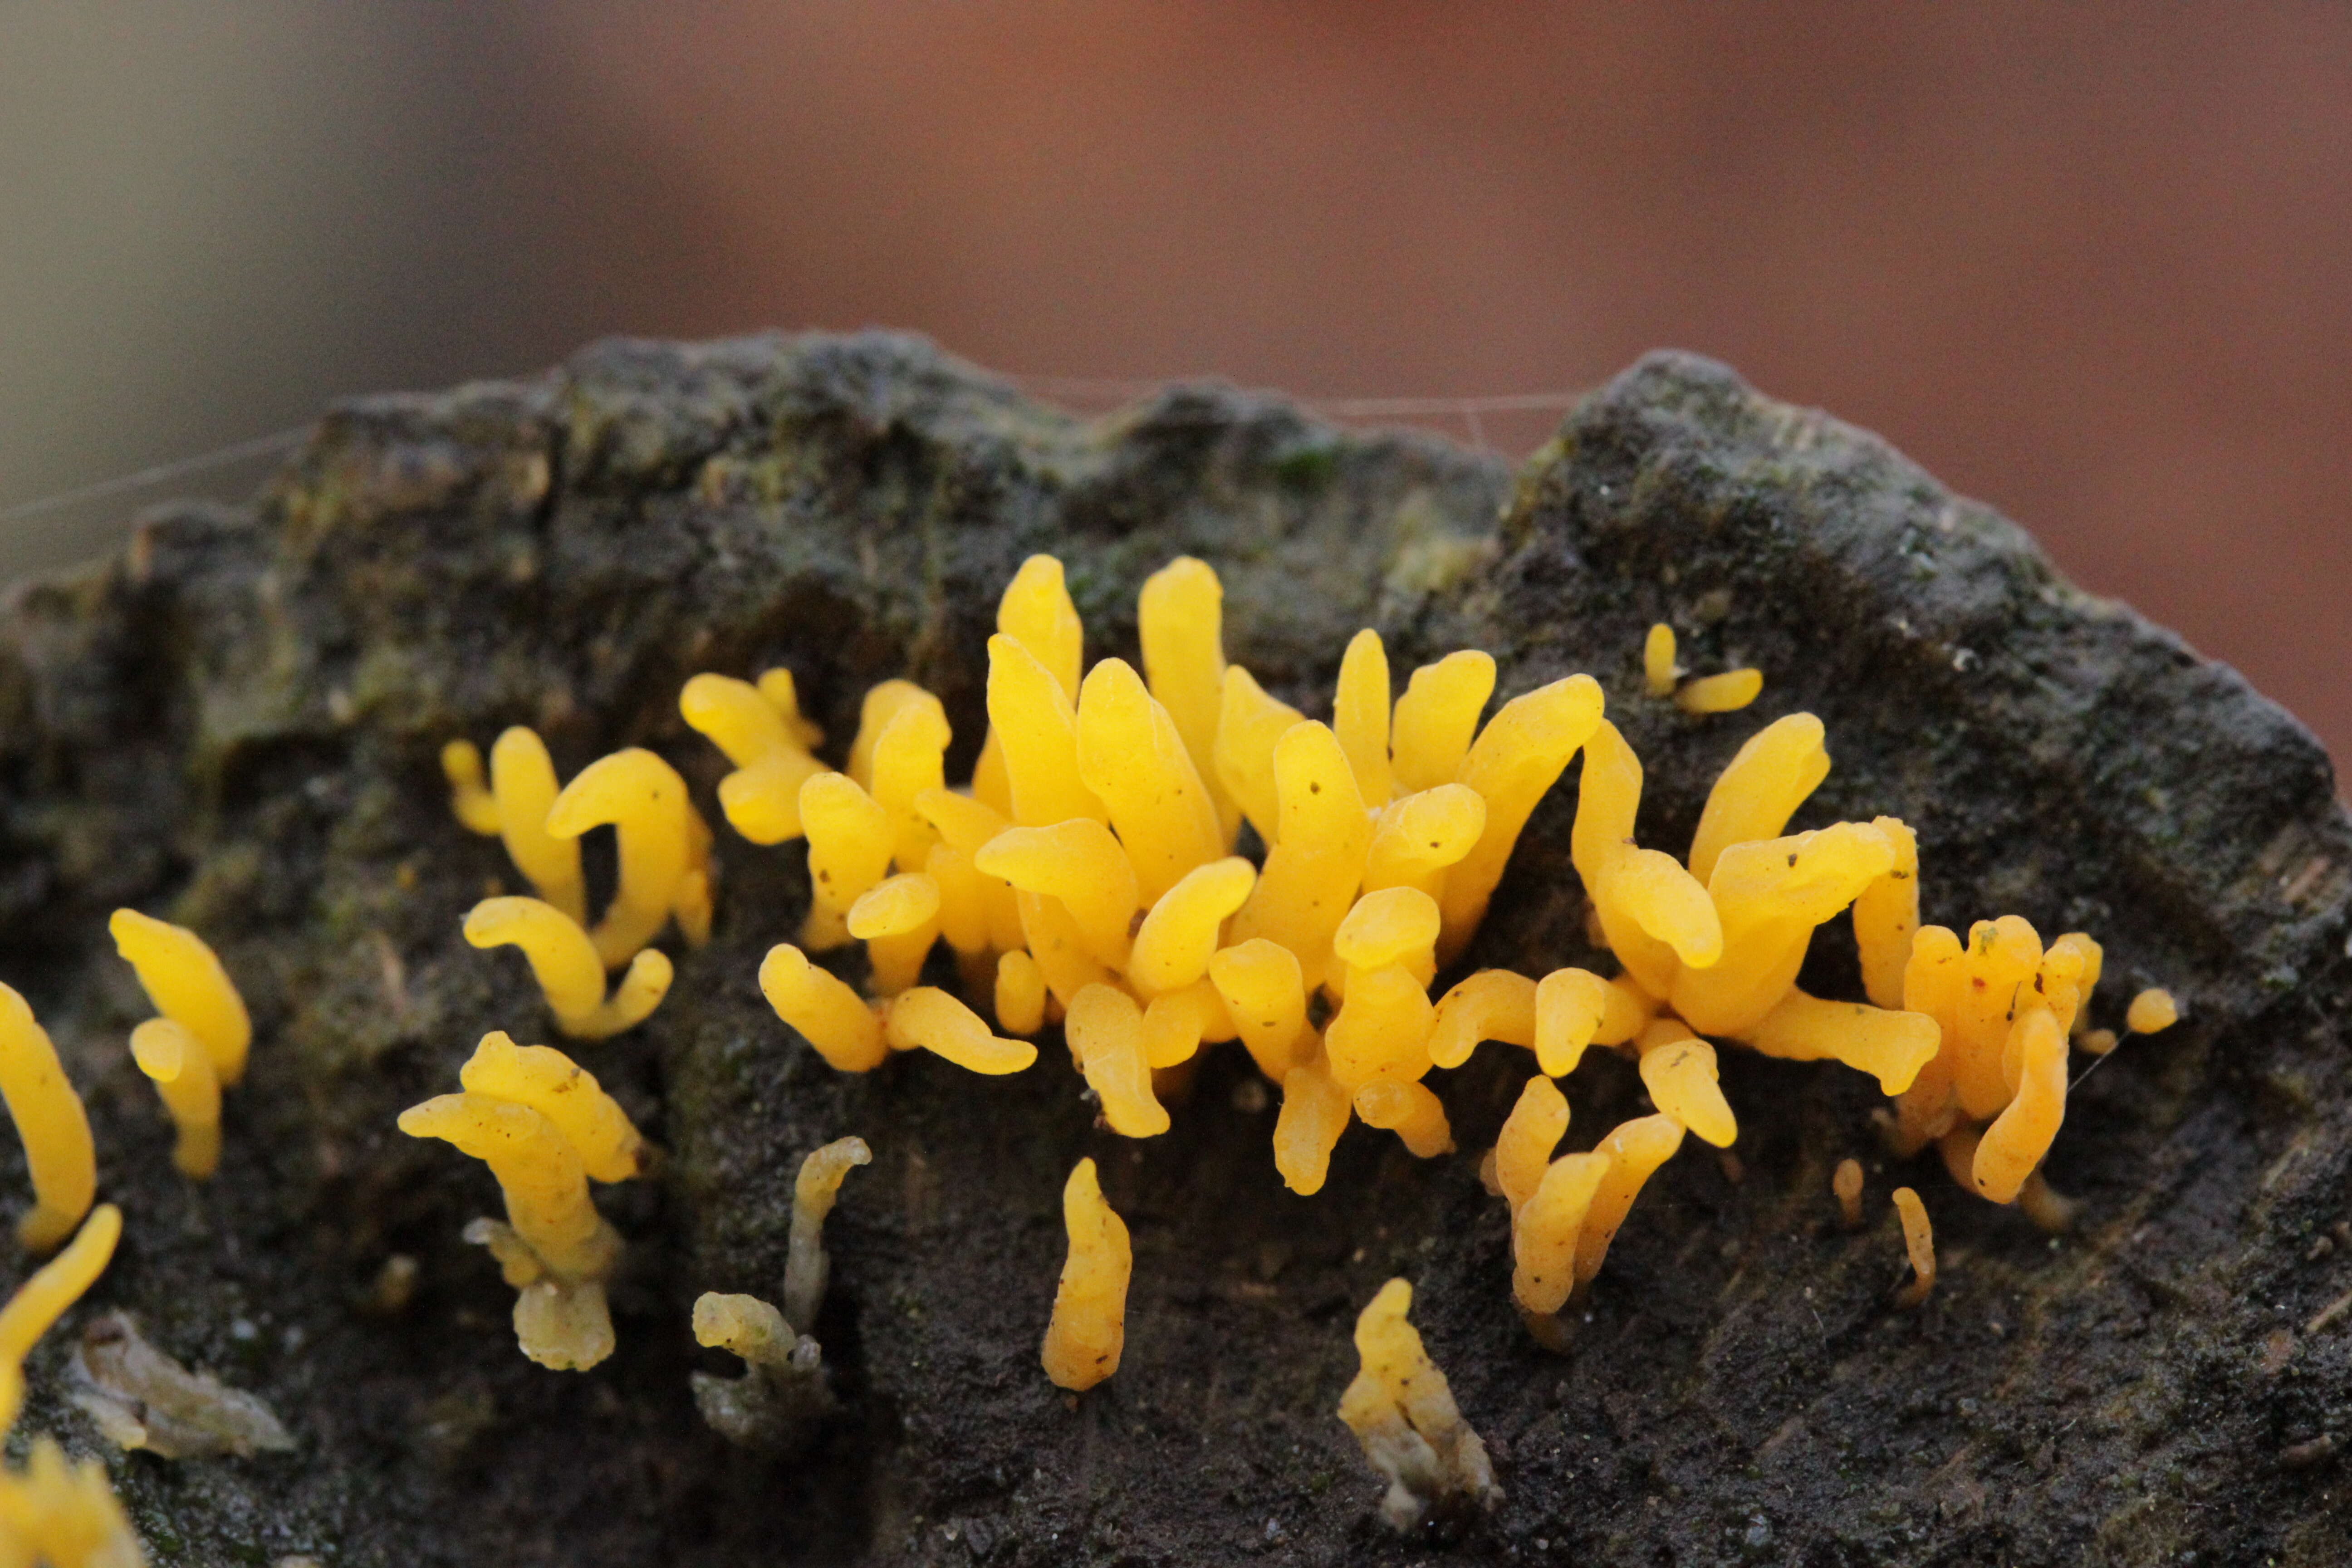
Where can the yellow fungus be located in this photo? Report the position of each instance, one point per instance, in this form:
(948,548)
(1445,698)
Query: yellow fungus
(1659,670)
(2051,1211)
(469,799)
(569,973)
(883,703)
(644,800)
(1382,1031)
(1893,1047)
(1316,859)
(963,910)
(1770,895)
(766,742)
(1571,1005)
(523,788)
(43,1299)
(1523,1150)
(782,695)
(1931,987)
(1020,993)
(1411,1111)
(824,1008)
(1265,994)
(1060,945)
(1106,1034)
(1359,716)
(849,847)
(806,1266)
(1515,760)
(1920,1241)
(1132,758)
(182,1071)
(1678,1070)
(1655,915)
(1492,1004)
(543,1077)
(1846,1183)
(1635,1150)
(929,1019)
(2013,1145)
(1088,1329)
(49,1118)
(2150,1011)
(1402,1413)
(1414,839)
(1724,693)
(1178,934)
(1314,1113)
(1036,611)
(2096,1042)
(2060,979)
(911,758)
(1436,718)
(185,980)
(1249,726)
(1179,620)
(966,824)
(897,918)
(1081,866)
(1886,917)
(1998,965)
(1395,925)
(554,1248)
(779,1402)
(1038,728)
(1546,1229)
(1773,772)
(1178,1021)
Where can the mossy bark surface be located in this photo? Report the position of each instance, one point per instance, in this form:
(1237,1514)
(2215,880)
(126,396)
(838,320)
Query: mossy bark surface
(236,726)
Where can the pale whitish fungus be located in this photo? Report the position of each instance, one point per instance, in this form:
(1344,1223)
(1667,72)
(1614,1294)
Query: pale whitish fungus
(1402,1412)
(142,1398)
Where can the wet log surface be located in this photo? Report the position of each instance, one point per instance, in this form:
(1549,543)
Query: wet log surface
(235,725)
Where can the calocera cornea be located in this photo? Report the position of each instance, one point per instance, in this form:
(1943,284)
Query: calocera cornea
(1087,1332)
(1403,1414)
(58,1150)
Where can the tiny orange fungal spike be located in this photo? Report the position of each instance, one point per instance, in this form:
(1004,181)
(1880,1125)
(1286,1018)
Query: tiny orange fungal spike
(1492,1004)
(1920,1241)
(2150,1011)
(931,1019)
(182,1073)
(824,1008)
(186,980)
(1088,1330)
(1659,670)
(571,975)
(1846,1183)
(58,1151)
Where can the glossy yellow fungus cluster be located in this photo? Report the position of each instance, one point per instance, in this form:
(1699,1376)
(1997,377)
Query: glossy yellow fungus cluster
(53,1510)
(665,872)
(197,1047)
(1402,1412)
(545,1128)
(1088,1330)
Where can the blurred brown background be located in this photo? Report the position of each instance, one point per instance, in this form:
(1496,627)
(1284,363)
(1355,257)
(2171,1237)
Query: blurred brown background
(2092,264)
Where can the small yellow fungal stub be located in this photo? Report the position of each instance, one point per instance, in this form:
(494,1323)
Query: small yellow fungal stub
(1415,839)
(909,760)
(1359,716)
(1314,1113)
(1570,1005)
(1515,760)
(571,974)
(1106,1034)
(1522,1151)
(1679,1070)
(899,920)
(1724,693)
(1845,1183)
(1037,727)
(850,843)
(1774,771)
(1437,716)
(183,1072)
(1659,670)
(1411,1111)
(2021,1134)
(42,1300)
(49,1118)
(610,1146)
(1179,935)
(1265,994)
(186,980)
(931,1019)
(1997,966)
(824,1008)
(1920,1241)
(1893,1047)
(1088,1329)
(1020,993)
(1492,1004)
(645,802)
(761,731)
(1546,1229)
(470,800)
(1395,925)
(815,1189)
(1635,1150)
(1382,1031)
(2150,1011)
(1886,917)
(1250,725)
(1402,1412)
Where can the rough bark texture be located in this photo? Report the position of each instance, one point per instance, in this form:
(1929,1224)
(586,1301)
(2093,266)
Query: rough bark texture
(236,724)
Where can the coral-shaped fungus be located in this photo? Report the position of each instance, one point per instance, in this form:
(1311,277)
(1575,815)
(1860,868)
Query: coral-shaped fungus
(54,1510)
(545,1128)
(665,873)
(782,1396)
(198,1046)
(1402,1412)
(50,1121)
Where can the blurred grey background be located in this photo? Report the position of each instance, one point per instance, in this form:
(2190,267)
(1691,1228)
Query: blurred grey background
(2092,263)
